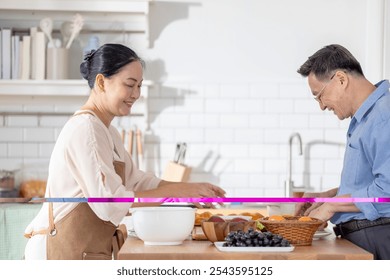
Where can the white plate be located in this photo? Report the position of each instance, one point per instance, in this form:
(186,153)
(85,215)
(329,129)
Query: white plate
(321,233)
(252,249)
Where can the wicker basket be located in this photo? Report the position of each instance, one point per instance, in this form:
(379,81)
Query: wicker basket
(298,233)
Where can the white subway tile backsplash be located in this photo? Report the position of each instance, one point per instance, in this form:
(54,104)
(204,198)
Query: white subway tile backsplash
(211,91)
(249,165)
(279,106)
(11,134)
(52,121)
(331,120)
(295,91)
(218,135)
(275,166)
(233,181)
(278,136)
(264,121)
(39,134)
(19,150)
(264,90)
(264,151)
(335,135)
(234,150)
(39,108)
(189,105)
(316,120)
(249,192)
(234,91)
(219,105)
(204,120)
(294,120)
(234,120)
(3,150)
(251,135)
(249,106)
(22,121)
(174,120)
(306,106)
(189,135)
(45,150)
(163,135)
(197,91)
(160,105)
(11,163)
(323,150)
(333,165)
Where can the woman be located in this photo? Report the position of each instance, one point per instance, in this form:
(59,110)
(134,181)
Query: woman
(89,160)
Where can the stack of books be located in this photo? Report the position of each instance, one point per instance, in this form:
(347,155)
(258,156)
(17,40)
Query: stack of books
(22,56)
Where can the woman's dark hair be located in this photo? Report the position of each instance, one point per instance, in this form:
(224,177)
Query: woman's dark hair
(328,59)
(106,60)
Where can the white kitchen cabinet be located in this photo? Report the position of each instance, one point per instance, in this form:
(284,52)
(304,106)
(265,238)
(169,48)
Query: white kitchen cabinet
(118,16)
(99,15)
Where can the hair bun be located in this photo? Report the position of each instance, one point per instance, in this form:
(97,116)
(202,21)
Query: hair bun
(84,69)
(89,55)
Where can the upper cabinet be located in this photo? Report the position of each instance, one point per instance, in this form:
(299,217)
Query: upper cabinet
(104,19)
(100,16)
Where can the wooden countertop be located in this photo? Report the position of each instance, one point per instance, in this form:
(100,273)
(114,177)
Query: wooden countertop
(330,248)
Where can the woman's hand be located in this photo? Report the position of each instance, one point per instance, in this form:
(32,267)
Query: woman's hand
(178,189)
(194,190)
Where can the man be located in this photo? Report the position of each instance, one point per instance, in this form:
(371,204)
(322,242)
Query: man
(337,82)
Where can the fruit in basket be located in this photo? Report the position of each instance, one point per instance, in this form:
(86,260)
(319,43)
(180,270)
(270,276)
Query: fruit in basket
(238,219)
(215,218)
(305,219)
(199,217)
(276,218)
(254,216)
(253,238)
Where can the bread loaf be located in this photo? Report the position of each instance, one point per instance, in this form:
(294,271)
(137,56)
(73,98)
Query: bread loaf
(32,188)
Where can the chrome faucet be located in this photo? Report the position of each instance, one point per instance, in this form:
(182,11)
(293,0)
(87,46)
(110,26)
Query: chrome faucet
(289,183)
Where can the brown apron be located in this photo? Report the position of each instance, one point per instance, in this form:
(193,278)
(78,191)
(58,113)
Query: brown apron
(82,235)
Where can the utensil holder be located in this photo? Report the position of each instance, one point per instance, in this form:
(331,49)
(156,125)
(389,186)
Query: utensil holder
(57,64)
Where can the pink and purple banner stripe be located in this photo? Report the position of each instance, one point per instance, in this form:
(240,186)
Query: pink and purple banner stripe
(209,199)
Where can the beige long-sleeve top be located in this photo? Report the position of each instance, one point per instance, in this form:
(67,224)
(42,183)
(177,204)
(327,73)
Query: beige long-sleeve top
(81,166)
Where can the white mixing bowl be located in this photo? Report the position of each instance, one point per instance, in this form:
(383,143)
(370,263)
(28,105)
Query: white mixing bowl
(163,225)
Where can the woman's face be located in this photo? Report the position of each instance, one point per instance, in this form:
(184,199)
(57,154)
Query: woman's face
(123,89)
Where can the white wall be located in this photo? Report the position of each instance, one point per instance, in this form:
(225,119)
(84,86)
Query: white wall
(226,83)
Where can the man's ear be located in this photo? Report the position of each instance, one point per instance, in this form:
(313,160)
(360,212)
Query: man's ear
(99,81)
(342,77)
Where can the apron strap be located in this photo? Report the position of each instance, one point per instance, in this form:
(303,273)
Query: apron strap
(51,230)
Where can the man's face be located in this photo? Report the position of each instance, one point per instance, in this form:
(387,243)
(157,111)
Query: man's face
(330,95)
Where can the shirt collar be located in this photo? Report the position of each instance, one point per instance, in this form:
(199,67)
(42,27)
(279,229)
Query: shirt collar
(381,88)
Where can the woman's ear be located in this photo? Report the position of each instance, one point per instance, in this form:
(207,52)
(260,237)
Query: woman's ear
(99,81)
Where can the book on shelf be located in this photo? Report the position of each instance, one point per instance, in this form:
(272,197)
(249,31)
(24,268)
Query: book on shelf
(26,58)
(15,56)
(6,53)
(40,55)
(33,32)
(1,71)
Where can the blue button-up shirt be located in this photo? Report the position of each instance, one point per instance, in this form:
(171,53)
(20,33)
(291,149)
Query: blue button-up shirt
(366,169)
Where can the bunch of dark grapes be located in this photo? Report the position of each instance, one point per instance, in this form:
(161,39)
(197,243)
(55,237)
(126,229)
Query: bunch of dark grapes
(253,238)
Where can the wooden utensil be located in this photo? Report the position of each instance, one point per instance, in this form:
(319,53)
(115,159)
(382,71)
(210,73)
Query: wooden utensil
(130,142)
(139,148)
(123,135)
